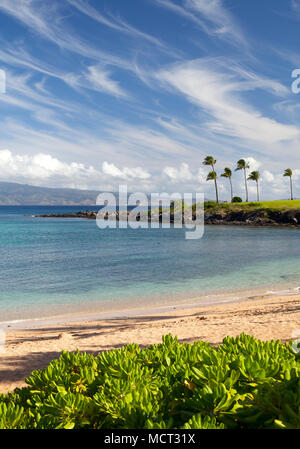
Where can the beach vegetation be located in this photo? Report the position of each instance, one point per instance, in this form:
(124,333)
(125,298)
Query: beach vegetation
(280,205)
(237,199)
(210,204)
(243,383)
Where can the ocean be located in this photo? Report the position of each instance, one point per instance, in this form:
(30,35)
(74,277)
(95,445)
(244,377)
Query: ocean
(53,266)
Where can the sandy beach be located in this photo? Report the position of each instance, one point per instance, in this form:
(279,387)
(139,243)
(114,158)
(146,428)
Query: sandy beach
(266,317)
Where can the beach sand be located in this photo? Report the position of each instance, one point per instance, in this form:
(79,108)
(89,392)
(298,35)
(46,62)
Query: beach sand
(266,317)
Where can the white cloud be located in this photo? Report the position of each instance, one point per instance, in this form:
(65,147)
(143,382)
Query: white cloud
(112,170)
(113,22)
(217,92)
(211,16)
(96,78)
(201,175)
(100,80)
(125,173)
(42,169)
(43,20)
(267,176)
(157,135)
(254,164)
(182,173)
(46,170)
(184,176)
(136,172)
(295,5)
(39,167)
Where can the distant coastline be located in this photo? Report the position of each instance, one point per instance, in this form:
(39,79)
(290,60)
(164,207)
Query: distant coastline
(14,194)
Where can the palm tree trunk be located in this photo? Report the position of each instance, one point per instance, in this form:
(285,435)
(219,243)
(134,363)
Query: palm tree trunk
(246,185)
(257,190)
(291,188)
(231,189)
(216,186)
(217,196)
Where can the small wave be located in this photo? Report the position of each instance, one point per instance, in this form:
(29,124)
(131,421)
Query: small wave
(289,291)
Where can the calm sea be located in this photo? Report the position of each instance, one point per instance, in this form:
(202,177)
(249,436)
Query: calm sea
(51,266)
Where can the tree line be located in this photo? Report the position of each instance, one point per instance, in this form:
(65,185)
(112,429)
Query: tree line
(242,165)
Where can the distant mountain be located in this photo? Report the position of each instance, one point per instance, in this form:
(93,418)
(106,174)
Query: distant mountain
(13,194)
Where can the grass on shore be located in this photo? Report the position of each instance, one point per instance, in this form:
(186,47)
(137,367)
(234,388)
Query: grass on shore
(212,206)
(274,205)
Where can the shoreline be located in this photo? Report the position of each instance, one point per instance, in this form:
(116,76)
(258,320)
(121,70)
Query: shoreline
(222,217)
(209,300)
(267,317)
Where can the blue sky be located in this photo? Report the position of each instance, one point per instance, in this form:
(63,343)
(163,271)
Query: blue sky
(138,92)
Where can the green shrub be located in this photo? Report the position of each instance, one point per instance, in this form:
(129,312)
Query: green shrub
(236,199)
(244,383)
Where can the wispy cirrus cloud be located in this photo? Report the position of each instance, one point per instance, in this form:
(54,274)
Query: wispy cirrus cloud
(16,56)
(163,114)
(21,87)
(100,79)
(94,77)
(42,19)
(295,5)
(48,24)
(218,93)
(211,16)
(114,22)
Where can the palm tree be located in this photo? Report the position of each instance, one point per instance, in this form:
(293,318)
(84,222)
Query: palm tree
(254,176)
(243,165)
(209,160)
(212,175)
(228,174)
(288,172)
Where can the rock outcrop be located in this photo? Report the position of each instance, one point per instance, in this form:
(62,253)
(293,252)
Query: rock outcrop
(257,217)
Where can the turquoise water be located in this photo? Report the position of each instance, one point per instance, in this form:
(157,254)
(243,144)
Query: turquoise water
(51,266)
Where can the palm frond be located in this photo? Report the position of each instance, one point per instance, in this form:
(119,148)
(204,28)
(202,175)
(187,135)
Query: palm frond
(288,172)
(211,176)
(242,165)
(227,173)
(209,160)
(254,176)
